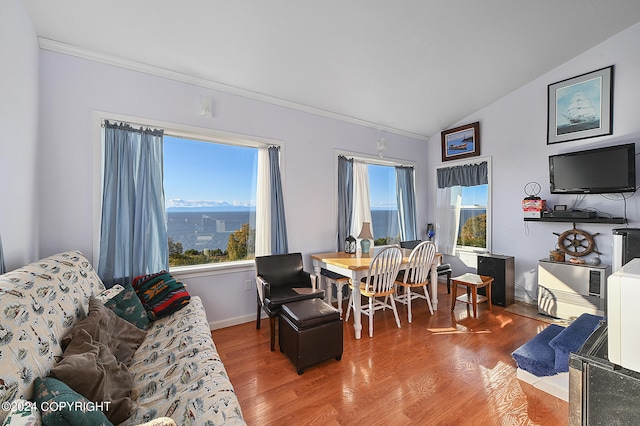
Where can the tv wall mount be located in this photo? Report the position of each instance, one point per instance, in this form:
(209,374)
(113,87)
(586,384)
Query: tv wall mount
(576,242)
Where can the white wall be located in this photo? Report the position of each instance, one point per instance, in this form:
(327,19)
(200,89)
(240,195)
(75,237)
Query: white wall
(73,88)
(18,134)
(513,133)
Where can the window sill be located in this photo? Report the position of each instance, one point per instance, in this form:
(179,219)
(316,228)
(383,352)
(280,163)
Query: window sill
(470,249)
(469,255)
(210,269)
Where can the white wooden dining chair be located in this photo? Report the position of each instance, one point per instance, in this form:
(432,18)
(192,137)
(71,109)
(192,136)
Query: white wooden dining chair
(416,275)
(378,286)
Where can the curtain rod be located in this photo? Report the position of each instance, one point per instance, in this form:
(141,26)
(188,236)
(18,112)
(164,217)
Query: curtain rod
(200,134)
(132,127)
(375,161)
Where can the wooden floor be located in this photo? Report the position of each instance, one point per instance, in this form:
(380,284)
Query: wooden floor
(446,369)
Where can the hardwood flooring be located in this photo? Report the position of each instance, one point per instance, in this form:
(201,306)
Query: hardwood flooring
(445,369)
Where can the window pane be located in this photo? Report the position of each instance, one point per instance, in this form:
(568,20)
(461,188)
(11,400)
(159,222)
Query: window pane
(384,207)
(472,230)
(210,190)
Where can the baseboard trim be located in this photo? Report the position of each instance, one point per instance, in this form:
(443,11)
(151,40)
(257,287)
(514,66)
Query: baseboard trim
(228,322)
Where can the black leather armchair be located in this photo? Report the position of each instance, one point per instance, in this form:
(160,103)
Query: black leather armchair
(277,278)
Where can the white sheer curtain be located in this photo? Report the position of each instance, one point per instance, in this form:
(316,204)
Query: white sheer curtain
(263,204)
(447,218)
(361,198)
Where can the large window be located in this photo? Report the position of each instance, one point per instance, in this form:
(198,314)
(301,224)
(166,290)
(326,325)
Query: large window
(215,190)
(210,192)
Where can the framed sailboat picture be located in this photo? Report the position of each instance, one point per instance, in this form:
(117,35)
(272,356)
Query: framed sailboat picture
(461,142)
(581,107)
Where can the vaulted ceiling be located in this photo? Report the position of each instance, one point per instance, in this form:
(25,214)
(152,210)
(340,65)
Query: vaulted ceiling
(413,66)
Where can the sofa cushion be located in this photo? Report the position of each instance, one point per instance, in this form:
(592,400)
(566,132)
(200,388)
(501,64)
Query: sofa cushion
(572,338)
(160,294)
(310,313)
(103,378)
(128,306)
(536,356)
(109,293)
(23,413)
(178,373)
(71,408)
(121,337)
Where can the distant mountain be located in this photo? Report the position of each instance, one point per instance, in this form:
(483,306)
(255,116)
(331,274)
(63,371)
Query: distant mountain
(179,205)
(204,209)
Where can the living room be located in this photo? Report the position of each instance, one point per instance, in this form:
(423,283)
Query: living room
(49,156)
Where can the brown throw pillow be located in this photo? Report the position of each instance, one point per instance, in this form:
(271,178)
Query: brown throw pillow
(104,326)
(102,378)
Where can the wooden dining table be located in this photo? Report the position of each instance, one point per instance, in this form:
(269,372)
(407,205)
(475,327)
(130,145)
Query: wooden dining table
(355,267)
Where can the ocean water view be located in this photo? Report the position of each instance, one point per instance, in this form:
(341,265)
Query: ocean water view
(200,230)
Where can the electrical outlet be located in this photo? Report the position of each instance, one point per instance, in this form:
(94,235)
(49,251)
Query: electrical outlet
(247,285)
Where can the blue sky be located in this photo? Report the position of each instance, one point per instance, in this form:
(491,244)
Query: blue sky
(472,195)
(382,181)
(192,179)
(190,174)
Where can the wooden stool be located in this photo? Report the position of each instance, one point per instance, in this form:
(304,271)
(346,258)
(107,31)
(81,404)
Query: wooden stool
(472,282)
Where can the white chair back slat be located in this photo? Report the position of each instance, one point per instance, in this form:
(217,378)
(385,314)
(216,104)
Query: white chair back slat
(383,270)
(420,260)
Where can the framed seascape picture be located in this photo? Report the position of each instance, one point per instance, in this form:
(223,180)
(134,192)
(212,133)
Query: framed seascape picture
(581,107)
(461,142)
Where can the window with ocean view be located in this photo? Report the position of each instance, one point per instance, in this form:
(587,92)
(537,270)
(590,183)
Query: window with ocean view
(384,207)
(210,193)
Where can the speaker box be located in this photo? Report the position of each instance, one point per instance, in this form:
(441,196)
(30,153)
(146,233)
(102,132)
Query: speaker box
(502,269)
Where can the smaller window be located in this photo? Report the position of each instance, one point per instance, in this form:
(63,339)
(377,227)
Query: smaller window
(472,227)
(463,209)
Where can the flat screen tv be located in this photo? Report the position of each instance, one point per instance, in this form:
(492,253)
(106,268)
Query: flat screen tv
(595,171)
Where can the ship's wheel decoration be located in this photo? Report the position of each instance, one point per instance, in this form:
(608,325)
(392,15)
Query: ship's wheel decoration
(532,189)
(576,242)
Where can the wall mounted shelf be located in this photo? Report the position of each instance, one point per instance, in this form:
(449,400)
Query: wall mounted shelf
(612,220)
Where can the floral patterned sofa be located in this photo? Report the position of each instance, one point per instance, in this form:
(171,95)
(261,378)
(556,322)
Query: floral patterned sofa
(175,371)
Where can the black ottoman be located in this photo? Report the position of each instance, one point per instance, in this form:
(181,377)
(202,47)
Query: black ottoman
(310,331)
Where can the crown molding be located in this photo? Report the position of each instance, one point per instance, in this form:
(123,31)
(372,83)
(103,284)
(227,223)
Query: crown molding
(68,49)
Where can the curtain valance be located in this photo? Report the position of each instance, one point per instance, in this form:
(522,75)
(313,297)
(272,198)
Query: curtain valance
(465,175)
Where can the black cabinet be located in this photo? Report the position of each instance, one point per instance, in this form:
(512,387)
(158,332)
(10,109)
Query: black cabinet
(502,269)
(600,392)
